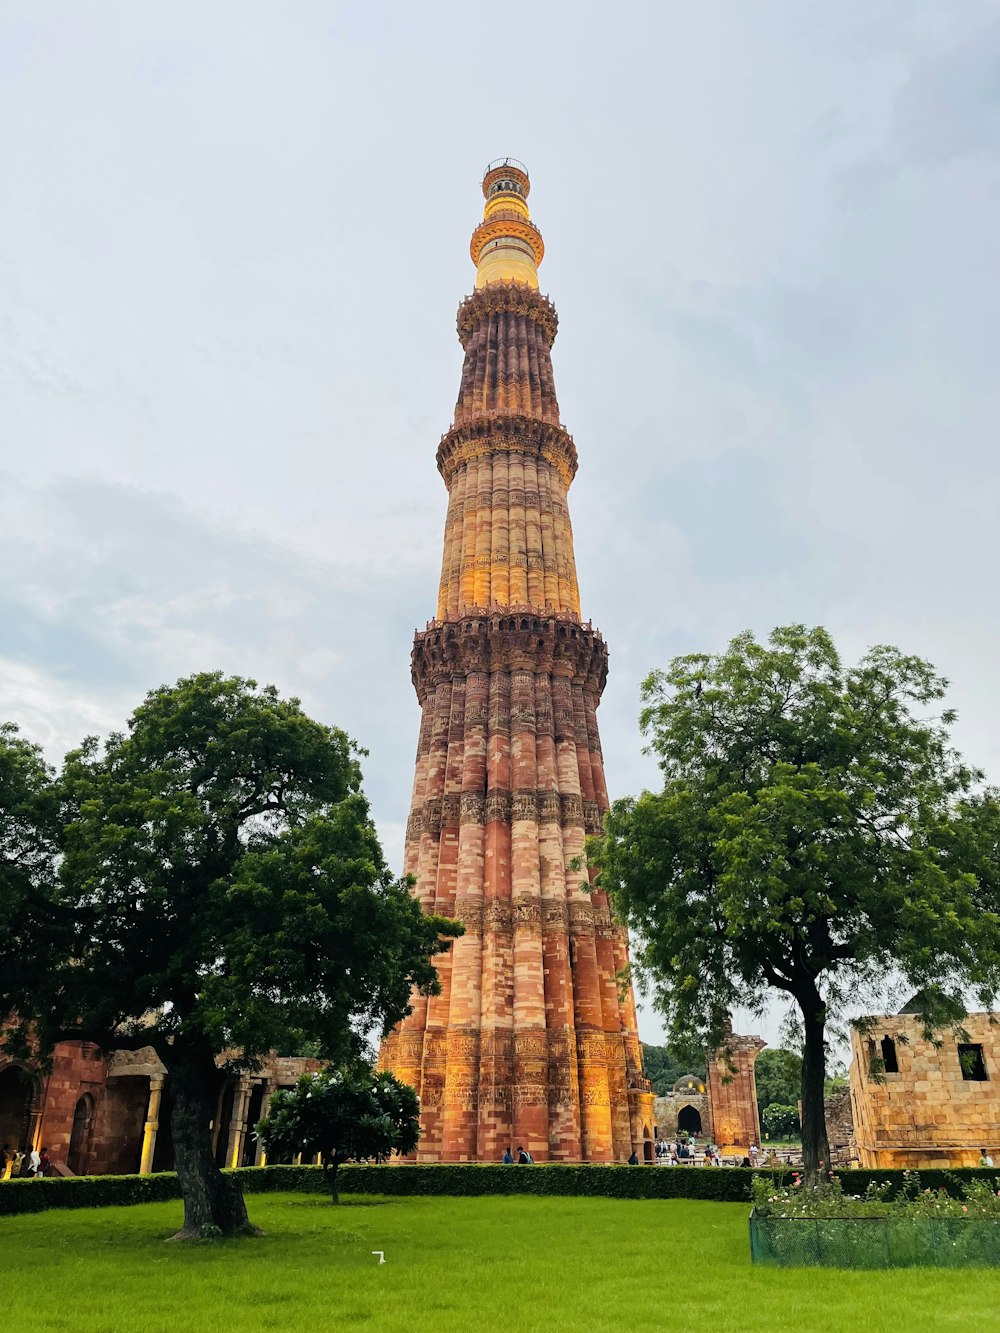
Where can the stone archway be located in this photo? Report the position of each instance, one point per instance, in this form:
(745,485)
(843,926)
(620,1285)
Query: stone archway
(79,1140)
(688,1120)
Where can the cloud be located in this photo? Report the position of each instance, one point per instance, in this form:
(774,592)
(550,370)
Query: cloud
(229,264)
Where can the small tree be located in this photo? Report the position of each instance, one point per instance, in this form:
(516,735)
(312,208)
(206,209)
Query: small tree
(779,1122)
(342,1115)
(225,887)
(816,834)
(778,1076)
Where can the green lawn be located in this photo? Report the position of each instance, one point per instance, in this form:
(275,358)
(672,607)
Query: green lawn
(516,1265)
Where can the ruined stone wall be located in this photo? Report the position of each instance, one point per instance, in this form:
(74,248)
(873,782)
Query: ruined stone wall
(669,1107)
(732,1093)
(927,1113)
(840,1126)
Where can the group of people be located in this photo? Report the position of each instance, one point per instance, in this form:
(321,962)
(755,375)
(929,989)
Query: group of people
(675,1152)
(33,1164)
(523,1158)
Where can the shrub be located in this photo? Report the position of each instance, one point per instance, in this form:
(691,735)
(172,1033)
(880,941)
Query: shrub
(719,1184)
(780,1122)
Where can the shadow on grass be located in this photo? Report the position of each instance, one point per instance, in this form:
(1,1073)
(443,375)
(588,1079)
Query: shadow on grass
(322,1201)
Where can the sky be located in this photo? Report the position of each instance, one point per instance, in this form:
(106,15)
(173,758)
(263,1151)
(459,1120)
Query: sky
(233,240)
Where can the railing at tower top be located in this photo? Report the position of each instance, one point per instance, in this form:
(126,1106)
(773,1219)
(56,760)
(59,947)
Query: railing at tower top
(509,215)
(506,162)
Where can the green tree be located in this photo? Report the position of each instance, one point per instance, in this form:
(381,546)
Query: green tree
(342,1114)
(29,824)
(816,833)
(227,887)
(780,1122)
(778,1074)
(664,1066)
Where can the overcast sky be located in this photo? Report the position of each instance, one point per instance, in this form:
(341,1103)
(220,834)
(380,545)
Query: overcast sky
(232,242)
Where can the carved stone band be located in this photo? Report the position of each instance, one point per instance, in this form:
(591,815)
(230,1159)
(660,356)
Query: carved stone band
(545,646)
(503,433)
(514,297)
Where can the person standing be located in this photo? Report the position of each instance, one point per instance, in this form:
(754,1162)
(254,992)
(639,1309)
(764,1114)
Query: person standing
(634,1159)
(524,1158)
(984,1158)
(34,1162)
(45,1167)
(508,1157)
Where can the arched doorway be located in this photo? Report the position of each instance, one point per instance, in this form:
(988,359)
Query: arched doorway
(647,1144)
(79,1139)
(688,1120)
(16,1096)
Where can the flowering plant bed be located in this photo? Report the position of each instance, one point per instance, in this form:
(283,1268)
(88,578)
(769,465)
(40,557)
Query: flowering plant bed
(797,1226)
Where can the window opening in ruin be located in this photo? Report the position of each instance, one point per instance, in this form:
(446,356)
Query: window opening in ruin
(889,1061)
(973,1065)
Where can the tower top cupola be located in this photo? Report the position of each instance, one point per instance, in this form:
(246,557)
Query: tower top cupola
(506,246)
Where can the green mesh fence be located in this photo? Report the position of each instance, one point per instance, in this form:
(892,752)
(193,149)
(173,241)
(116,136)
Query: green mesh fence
(875,1242)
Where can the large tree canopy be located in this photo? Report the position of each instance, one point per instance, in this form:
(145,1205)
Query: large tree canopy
(815,834)
(29,832)
(664,1066)
(778,1076)
(227,887)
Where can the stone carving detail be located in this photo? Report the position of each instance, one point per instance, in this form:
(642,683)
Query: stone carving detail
(525,805)
(498,914)
(527,912)
(432,816)
(498,807)
(555,914)
(492,642)
(450,809)
(470,912)
(572,810)
(484,437)
(507,296)
(473,810)
(593,820)
(549,807)
(581,919)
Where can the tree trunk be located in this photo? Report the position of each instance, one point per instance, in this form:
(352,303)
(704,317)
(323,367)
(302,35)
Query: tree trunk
(330,1172)
(210,1198)
(815,1145)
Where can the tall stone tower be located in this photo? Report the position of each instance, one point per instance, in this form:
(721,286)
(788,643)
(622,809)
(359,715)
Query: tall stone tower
(533,1038)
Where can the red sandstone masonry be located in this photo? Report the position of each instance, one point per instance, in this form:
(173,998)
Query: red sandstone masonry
(531,1040)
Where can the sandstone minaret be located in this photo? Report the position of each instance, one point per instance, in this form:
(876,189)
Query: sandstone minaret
(533,1038)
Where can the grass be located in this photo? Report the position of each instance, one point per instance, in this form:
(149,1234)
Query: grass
(520,1265)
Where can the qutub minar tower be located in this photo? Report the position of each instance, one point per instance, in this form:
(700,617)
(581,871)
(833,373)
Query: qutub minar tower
(533,1039)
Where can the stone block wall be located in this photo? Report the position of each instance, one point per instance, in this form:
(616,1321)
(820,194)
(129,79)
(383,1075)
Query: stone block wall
(927,1111)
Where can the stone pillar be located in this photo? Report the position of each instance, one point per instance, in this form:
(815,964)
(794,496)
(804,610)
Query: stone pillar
(152,1124)
(238,1124)
(260,1156)
(732,1093)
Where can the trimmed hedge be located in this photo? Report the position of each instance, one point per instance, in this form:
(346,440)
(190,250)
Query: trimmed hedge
(720,1184)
